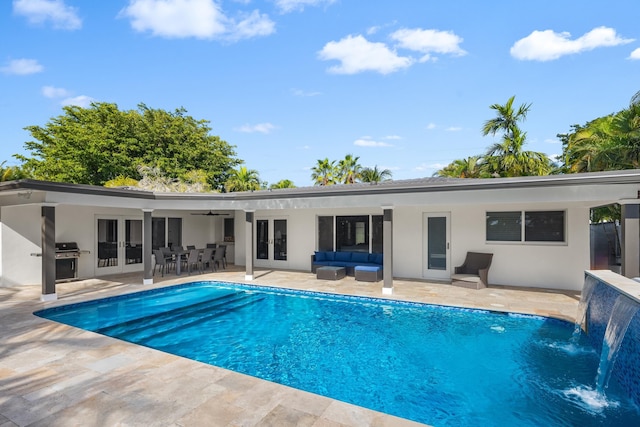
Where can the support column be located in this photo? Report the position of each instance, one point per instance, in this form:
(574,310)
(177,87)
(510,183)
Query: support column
(248,244)
(48,228)
(387,250)
(630,244)
(147,263)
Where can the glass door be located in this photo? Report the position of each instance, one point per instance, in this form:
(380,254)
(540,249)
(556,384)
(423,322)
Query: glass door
(271,242)
(436,259)
(118,244)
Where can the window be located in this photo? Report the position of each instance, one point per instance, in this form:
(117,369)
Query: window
(504,226)
(175,232)
(352,233)
(544,226)
(325,233)
(535,226)
(356,233)
(229,230)
(158,239)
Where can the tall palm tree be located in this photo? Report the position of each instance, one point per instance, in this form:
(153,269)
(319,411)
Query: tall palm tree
(375,175)
(507,118)
(243,179)
(324,172)
(349,169)
(507,157)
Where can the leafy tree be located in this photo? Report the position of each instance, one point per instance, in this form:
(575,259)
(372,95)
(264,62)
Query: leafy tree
(349,169)
(97,144)
(324,172)
(243,179)
(11,173)
(121,181)
(607,143)
(283,183)
(375,175)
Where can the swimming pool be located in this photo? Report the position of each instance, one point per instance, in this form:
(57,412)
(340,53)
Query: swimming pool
(432,364)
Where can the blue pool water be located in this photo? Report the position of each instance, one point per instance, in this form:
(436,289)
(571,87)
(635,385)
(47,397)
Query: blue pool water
(437,365)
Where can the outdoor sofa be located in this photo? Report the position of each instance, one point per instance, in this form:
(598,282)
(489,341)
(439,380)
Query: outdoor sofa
(348,260)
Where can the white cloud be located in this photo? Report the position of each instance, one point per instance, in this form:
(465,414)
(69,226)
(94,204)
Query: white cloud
(79,101)
(394,137)
(552,141)
(201,19)
(54,92)
(57,12)
(453,129)
(22,67)
(260,127)
(356,54)
(548,45)
(432,167)
(428,42)
(176,18)
(635,54)
(300,92)
(287,6)
(255,24)
(366,141)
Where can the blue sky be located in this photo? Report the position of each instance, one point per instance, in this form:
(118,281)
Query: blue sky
(405,85)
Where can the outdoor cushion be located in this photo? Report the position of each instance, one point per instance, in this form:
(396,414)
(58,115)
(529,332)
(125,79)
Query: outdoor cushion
(367,268)
(330,255)
(320,256)
(343,256)
(360,257)
(377,259)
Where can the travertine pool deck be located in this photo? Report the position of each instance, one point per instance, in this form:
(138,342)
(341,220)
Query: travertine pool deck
(57,375)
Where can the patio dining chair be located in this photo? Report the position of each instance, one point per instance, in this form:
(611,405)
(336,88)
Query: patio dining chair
(161,261)
(193,260)
(219,256)
(207,259)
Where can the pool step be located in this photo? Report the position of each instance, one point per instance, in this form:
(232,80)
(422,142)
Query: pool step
(160,324)
(151,320)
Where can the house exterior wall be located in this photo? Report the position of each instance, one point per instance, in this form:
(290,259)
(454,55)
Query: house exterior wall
(21,236)
(553,266)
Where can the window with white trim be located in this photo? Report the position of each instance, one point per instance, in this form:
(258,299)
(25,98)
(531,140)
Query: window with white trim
(525,226)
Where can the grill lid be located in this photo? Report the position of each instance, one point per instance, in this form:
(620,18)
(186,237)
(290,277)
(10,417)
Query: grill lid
(67,247)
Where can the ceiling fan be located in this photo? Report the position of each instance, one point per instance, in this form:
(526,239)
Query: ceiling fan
(210,213)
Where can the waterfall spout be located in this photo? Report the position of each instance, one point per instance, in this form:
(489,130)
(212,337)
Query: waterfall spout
(624,310)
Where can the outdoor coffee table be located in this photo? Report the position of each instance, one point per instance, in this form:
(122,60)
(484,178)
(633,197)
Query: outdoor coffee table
(331,273)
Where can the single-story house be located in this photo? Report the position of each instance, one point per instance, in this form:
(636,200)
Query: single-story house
(537,228)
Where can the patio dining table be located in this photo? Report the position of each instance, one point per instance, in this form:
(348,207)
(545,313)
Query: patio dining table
(181,255)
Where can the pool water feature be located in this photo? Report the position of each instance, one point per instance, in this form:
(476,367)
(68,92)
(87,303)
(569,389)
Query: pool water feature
(437,365)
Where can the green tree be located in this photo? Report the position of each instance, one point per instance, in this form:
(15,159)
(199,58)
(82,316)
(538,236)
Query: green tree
(283,183)
(607,143)
(324,172)
(507,158)
(96,144)
(349,169)
(243,179)
(471,167)
(11,173)
(375,175)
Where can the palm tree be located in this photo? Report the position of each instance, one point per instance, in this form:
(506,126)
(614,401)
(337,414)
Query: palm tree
(349,169)
(243,179)
(324,172)
(283,183)
(375,175)
(607,143)
(471,167)
(507,158)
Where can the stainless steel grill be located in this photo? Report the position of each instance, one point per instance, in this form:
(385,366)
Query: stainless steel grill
(67,254)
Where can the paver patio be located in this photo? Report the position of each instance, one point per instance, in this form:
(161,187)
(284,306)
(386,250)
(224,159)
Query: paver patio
(57,375)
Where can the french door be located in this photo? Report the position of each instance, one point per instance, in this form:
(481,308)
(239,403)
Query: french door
(118,244)
(271,242)
(437,253)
